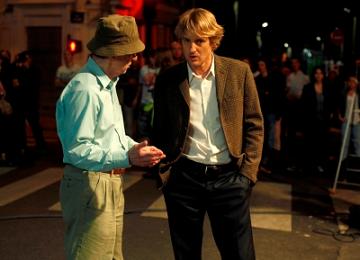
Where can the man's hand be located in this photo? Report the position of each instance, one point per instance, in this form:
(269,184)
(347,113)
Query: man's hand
(145,156)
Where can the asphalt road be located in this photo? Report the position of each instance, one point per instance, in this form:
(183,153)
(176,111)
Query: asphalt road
(293,216)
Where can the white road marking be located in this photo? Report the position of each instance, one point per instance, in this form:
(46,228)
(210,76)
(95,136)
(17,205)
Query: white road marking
(157,209)
(31,184)
(270,202)
(271,207)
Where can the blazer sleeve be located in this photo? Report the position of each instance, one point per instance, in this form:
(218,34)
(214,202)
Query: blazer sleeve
(253,128)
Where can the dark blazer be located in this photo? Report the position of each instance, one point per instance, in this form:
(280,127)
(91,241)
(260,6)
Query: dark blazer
(239,109)
(309,104)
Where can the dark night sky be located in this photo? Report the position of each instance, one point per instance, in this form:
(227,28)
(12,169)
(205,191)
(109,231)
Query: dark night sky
(296,22)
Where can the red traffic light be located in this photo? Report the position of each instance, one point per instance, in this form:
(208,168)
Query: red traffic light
(74,46)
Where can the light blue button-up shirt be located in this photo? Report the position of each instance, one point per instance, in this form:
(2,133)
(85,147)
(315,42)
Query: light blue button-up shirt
(90,123)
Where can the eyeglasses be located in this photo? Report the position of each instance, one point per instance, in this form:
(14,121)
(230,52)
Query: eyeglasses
(128,56)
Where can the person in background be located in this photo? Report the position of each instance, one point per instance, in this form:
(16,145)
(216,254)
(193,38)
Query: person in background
(208,121)
(66,71)
(316,102)
(129,89)
(5,128)
(176,52)
(147,78)
(26,80)
(6,111)
(271,87)
(95,147)
(349,114)
(295,83)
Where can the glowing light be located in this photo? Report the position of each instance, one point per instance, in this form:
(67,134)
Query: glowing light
(72,46)
(347,10)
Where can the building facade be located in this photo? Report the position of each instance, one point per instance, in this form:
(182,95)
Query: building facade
(44,26)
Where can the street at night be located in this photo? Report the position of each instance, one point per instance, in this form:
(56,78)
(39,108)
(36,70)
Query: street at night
(293,215)
(271,89)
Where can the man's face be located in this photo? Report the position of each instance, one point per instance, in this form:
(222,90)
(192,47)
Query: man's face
(122,63)
(176,50)
(262,66)
(197,52)
(295,65)
(352,83)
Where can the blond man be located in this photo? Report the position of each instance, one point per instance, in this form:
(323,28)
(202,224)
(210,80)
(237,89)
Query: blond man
(208,121)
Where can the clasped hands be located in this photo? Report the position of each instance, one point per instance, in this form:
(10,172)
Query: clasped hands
(145,155)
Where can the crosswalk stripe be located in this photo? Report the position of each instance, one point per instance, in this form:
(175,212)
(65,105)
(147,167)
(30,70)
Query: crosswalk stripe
(129,180)
(156,209)
(271,207)
(24,187)
(271,202)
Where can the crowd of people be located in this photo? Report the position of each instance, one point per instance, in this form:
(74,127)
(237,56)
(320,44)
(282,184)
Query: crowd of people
(300,111)
(136,88)
(19,88)
(20,82)
(304,115)
(208,124)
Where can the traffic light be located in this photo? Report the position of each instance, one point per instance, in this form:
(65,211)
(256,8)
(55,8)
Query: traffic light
(73,46)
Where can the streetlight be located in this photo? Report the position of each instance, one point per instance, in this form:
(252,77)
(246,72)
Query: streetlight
(260,37)
(288,49)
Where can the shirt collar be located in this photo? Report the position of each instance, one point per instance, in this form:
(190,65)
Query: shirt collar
(192,74)
(104,81)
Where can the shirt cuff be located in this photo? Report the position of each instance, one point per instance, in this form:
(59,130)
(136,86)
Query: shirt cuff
(120,159)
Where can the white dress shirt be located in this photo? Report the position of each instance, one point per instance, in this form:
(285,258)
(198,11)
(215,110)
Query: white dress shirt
(205,142)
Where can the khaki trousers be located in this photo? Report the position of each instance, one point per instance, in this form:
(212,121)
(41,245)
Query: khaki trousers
(92,206)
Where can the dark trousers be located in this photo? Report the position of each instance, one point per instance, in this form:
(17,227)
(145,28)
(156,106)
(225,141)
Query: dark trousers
(191,192)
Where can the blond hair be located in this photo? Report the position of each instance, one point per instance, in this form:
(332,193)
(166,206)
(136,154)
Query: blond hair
(201,22)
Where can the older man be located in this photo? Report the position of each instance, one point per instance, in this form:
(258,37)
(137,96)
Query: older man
(96,149)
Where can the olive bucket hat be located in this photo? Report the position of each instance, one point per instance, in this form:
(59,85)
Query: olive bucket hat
(116,35)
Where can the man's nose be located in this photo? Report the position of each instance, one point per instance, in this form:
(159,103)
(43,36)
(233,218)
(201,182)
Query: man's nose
(134,57)
(192,47)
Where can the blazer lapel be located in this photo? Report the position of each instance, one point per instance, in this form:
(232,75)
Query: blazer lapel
(184,85)
(220,77)
(184,88)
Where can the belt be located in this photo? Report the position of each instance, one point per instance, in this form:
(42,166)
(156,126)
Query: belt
(205,169)
(117,171)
